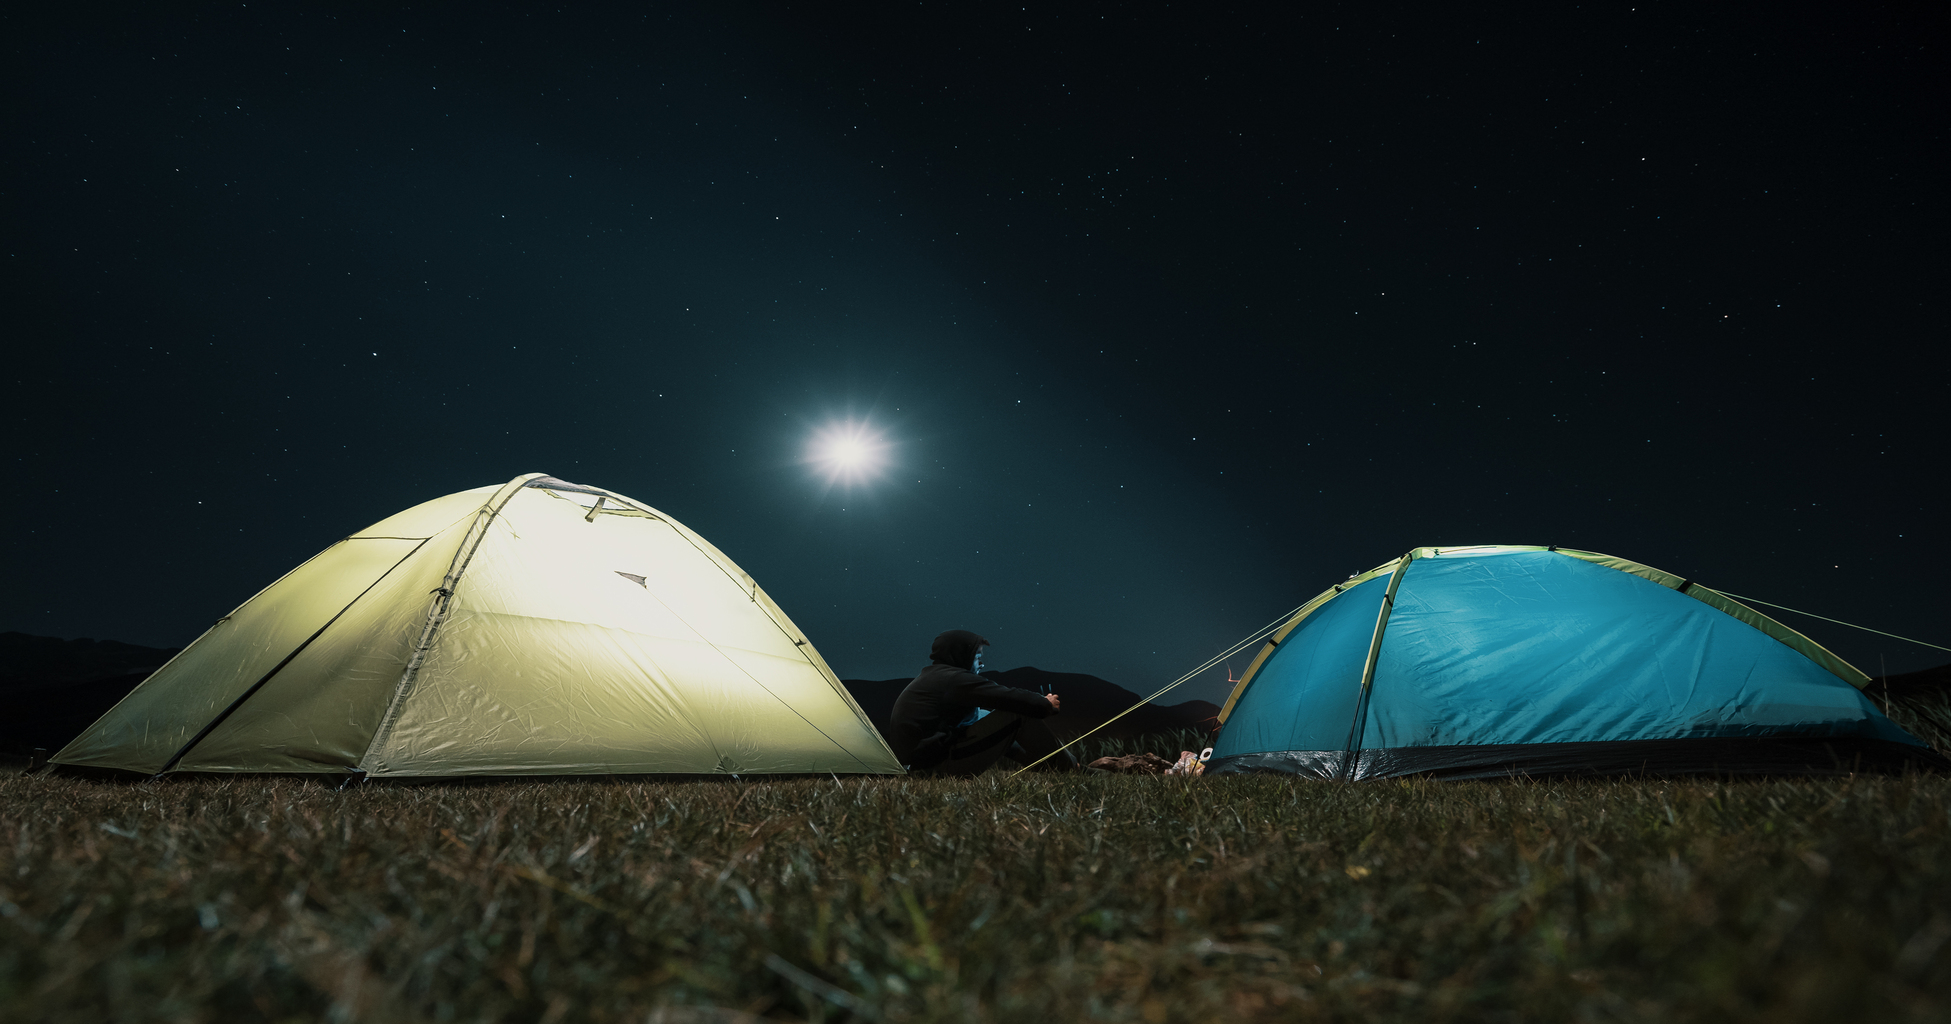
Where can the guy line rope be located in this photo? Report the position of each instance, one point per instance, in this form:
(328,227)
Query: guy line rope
(1838,622)
(1255,637)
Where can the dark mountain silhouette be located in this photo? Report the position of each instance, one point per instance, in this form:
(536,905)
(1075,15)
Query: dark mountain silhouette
(1088,702)
(51,689)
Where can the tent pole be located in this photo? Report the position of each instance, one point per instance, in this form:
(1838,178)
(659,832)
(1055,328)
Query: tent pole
(443,600)
(1368,667)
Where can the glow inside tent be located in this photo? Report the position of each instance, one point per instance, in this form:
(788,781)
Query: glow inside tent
(535,628)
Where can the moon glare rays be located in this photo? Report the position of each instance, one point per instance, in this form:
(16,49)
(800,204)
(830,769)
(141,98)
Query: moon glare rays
(848,453)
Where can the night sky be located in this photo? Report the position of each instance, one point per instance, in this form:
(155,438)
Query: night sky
(1167,317)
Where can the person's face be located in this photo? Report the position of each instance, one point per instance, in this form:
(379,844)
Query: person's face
(980,651)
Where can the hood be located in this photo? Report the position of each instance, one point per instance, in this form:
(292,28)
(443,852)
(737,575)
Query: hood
(957,647)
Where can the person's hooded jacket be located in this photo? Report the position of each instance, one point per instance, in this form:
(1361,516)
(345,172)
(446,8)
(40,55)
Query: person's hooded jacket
(922,727)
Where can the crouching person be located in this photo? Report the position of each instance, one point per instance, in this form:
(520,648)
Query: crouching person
(951,721)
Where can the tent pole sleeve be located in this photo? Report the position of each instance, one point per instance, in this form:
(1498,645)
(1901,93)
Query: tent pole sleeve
(443,601)
(250,692)
(1368,666)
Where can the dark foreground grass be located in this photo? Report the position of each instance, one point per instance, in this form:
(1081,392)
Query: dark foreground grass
(1061,899)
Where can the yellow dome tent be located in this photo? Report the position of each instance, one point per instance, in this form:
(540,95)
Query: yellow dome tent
(536,628)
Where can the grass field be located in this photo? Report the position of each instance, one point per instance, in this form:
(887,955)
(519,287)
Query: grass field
(1045,898)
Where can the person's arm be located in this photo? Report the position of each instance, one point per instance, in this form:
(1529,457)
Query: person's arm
(987,693)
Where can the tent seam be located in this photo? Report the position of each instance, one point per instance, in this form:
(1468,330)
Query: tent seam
(227,616)
(761,685)
(254,688)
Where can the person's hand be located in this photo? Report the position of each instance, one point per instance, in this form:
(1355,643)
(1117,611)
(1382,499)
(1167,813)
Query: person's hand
(1055,703)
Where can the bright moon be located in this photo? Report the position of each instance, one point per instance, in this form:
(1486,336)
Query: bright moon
(848,452)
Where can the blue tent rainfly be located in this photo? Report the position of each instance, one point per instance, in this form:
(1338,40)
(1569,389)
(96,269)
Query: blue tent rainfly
(1476,662)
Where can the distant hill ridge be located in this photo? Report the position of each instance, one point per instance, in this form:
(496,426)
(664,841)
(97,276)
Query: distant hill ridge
(53,688)
(49,659)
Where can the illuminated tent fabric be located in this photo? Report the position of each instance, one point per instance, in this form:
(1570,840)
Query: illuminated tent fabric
(536,628)
(1488,661)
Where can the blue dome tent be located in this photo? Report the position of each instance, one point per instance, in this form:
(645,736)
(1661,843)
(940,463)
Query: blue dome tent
(1477,662)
